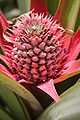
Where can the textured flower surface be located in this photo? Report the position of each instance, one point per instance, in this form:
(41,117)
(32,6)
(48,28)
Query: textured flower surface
(36,48)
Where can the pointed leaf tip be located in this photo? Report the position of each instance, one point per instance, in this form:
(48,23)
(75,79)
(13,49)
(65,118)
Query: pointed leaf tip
(3,25)
(74,46)
(57,14)
(49,88)
(3,22)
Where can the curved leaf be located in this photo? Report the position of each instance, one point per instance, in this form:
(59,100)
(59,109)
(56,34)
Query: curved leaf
(21,91)
(3,22)
(3,25)
(68,108)
(4,115)
(13,103)
(28,117)
(73,69)
(66,76)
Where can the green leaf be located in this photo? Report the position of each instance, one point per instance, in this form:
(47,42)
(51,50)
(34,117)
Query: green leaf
(77,21)
(21,91)
(68,14)
(13,103)
(52,6)
(4,115)
(68,108)
(24,108)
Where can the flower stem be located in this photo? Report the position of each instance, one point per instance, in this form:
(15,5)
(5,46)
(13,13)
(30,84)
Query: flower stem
(49,88)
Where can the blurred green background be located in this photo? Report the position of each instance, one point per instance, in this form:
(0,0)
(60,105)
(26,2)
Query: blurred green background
(13,8)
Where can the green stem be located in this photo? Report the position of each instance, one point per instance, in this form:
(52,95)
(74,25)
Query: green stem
(69,12)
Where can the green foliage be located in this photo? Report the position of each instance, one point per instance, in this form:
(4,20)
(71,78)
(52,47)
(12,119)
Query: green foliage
(4,115)
(21,91)
(68,13)
(52,6)
(2,4)
(13,104)
(77,22)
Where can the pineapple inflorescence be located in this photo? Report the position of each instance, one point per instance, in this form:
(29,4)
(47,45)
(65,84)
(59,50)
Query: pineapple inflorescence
(37,52)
